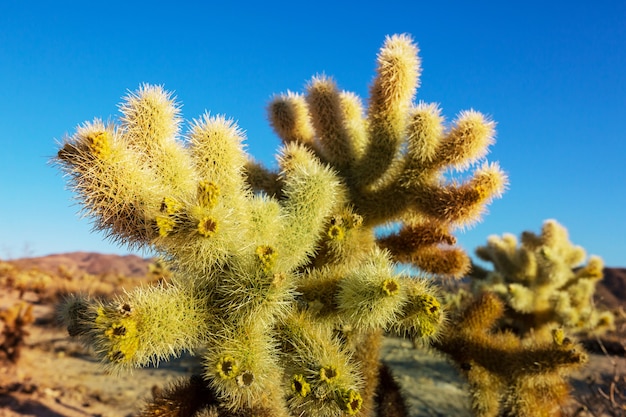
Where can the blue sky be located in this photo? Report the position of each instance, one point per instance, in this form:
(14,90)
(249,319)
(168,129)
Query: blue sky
(553,76)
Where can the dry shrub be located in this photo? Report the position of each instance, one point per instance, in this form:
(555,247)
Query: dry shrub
(14,321)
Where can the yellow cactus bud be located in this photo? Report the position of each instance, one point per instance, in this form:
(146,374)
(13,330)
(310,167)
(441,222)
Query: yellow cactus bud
(165,225)
(267,256)
(558,335)
(124,340)
(208,192)
(328,373)
(390,287)
(170,205)
(300,386)
(121,336)
(350,401)
(336,232)
(207,226)
(99,144)
(227,367)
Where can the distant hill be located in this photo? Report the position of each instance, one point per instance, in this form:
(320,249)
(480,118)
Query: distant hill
(611,291)
(89,262)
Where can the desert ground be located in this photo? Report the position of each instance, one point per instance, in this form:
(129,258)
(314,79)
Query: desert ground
(55,376)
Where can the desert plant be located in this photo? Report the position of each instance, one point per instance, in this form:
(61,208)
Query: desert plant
(14,321)
(542,281)
(279,279)
(509,375)
(24,280)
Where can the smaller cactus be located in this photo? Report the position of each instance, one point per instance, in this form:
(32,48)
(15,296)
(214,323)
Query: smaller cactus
(14,321)
(541,282)
(509,375)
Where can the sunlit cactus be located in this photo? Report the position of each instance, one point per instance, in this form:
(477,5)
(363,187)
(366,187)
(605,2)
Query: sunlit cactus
(392,155)
(279,279)
(544,280)
(509,375)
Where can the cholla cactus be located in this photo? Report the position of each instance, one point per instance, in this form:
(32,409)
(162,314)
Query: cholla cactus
(540,282)
(391,157)
(280,282)
(13,322)
(509,375)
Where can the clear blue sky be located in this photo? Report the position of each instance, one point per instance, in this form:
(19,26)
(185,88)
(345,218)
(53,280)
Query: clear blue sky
(552,76)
